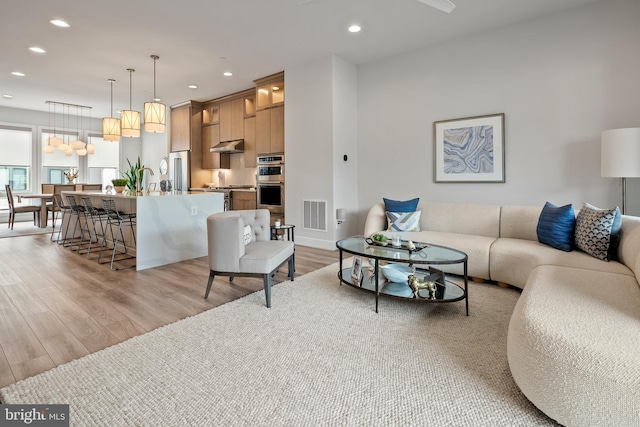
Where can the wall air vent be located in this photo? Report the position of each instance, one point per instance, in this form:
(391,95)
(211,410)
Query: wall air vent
(315,215)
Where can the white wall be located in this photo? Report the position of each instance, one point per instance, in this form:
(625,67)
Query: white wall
(309,145)
(560,80)
(345,142)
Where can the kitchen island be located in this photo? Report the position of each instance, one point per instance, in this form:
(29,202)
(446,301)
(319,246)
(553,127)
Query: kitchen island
(170,227)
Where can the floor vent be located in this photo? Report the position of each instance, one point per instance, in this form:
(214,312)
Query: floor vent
(315,215)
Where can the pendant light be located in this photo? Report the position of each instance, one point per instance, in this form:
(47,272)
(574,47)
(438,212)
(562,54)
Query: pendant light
(64,147)
(54,140)
(90,147)
(111,125)
(49,148)
(129,119)
(78,144)
(154,112)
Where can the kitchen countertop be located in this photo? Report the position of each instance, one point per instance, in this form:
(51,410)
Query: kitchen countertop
(133,196)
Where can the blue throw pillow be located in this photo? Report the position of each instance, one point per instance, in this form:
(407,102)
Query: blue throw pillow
(401,206)
(556,226)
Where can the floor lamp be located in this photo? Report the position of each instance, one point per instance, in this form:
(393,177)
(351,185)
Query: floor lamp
(620,156)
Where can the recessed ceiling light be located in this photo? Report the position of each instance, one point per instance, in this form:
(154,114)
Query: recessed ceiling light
(227,74)
(6,95)
(18,73)
(60,23)
(37,49)
(193,86)
(354,28)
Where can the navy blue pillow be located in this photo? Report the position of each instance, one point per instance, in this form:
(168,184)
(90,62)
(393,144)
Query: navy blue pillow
(399,206)
(556,226)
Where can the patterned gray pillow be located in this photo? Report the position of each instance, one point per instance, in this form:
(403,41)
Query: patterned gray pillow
(594,228)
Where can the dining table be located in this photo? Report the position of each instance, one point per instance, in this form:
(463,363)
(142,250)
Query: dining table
(43,198)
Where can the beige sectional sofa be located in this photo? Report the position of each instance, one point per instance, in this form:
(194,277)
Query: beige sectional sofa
(574,335)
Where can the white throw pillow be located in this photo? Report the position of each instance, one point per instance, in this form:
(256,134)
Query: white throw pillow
(247,234)
(403,221)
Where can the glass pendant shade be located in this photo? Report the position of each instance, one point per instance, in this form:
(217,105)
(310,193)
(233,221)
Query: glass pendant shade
(155,114)
(111,129)
(130,123)
(54,141)
(82,152)
(91,148)
(49,149)
(77,145)
(63,147)
(69,152)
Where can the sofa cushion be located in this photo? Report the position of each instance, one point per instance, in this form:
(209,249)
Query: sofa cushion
(403,221)
(400,206)
(512,260)
(556,226)
(597,230)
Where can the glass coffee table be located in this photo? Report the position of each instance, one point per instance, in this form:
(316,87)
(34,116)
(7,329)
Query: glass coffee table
(424,255)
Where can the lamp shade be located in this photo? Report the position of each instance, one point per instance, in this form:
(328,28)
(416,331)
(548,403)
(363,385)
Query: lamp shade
(130,123)
(91,148)
(155,114)
(77,144)
(620,153)
(111,129)
(54,141)
(49,149)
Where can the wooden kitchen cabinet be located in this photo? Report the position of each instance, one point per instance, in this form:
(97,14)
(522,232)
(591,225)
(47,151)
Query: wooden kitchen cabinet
(270,114)
(243,200)
(210,138)
(232,120)
(250,142)
(185,126)
(270,130)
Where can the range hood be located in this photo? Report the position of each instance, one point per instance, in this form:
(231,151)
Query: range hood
(234,146)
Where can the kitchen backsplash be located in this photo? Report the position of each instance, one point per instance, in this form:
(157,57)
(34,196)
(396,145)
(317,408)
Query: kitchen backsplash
(227,177)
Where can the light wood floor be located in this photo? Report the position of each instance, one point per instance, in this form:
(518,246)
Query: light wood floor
(56,306)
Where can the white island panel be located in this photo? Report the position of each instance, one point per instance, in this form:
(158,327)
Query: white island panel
(173,228)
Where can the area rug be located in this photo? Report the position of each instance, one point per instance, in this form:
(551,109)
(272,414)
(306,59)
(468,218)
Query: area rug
(319,356)
(22,229)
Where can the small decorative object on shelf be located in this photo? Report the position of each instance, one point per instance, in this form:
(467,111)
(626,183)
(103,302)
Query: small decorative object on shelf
(71,175)
(416,286)
(277,223)
(119,184)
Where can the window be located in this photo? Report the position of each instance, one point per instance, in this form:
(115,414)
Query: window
(15,158)
(103,165)
(54,164)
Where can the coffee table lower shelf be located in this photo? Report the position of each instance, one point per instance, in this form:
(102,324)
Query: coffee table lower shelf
(447,291)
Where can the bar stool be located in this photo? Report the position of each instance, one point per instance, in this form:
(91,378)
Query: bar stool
(77,211)
(115,217)
(59,207)
(94,217)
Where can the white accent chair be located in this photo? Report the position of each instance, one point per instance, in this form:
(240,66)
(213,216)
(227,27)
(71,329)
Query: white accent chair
(229,256)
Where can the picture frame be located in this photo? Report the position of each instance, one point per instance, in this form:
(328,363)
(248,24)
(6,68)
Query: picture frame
(469,150)
(356,271)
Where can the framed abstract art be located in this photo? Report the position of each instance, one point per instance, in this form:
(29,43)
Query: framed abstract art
(469,149)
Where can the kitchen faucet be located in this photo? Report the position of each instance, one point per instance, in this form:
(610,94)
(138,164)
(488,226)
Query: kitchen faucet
(139,180)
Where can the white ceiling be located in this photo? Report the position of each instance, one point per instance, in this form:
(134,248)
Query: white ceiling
(199,39)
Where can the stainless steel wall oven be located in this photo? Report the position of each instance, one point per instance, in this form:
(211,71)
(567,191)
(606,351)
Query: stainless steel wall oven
(270,183)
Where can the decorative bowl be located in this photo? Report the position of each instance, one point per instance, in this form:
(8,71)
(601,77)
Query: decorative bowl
(397,272)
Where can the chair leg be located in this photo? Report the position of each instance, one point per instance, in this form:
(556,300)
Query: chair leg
(267,288)
(292,267)
(211,276)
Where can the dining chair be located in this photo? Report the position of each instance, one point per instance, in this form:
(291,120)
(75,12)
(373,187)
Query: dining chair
(58,189)
(91,187)
(13,209)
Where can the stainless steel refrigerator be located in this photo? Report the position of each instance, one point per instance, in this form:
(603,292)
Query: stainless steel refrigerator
(179,166)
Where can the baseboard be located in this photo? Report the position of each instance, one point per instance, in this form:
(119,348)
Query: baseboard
(329,245)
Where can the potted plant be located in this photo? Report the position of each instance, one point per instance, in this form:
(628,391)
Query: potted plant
(132,174)
(119,184)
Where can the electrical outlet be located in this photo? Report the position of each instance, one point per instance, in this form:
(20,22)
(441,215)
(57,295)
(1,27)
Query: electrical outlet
(194,210)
